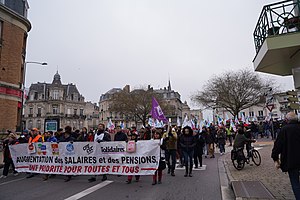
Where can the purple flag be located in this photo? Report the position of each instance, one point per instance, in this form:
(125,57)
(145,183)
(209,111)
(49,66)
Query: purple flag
(156,111)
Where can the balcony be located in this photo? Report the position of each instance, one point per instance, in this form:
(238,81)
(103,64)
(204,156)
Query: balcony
(277,38)
(75,116)
(54,114)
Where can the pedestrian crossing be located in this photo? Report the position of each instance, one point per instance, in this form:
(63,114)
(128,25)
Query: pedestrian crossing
(194,169)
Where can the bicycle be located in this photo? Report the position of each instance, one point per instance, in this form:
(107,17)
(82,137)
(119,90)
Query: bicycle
(238,157)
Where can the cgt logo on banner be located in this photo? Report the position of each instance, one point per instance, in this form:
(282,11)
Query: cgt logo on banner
(87,158)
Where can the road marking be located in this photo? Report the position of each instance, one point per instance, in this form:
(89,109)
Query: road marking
(89,190)
(12,181)
(196,169)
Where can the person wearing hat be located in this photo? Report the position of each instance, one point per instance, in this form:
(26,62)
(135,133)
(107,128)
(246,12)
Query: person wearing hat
(35,137)
(11,140)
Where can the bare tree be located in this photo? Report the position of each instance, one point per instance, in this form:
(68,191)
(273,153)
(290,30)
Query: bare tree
(135,105)
(233,91)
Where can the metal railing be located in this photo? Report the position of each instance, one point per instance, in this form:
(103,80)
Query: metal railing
(276,19)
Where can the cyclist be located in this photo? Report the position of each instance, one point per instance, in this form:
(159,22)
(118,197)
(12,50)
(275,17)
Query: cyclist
(241,139)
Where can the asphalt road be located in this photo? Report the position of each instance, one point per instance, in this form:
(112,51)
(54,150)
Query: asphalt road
(205,184)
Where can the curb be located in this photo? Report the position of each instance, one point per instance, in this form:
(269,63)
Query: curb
(226,188)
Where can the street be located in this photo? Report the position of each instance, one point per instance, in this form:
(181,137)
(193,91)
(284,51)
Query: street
(205,184)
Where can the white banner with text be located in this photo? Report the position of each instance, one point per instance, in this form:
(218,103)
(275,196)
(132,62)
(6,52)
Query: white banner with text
(87,158)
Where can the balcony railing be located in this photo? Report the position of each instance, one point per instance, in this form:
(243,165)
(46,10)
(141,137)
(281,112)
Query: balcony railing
(276,19)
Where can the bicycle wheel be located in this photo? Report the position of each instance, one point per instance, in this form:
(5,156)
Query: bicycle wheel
(256,157)
(238,163)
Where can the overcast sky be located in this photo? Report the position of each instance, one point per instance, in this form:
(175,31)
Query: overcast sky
(99,45)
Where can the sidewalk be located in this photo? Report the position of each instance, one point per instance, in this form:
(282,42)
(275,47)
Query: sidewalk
(276,182)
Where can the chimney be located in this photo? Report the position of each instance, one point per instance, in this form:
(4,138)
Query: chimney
(127,88)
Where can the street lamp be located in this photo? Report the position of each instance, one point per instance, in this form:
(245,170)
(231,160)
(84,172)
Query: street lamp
(23,87)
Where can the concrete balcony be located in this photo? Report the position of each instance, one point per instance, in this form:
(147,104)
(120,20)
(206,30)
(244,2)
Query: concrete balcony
(277,38)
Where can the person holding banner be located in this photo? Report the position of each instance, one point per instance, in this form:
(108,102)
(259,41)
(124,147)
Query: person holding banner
(11,140)
(101,136)
(120,135)
(67,137)
(134,137)
(188,142)
(162,163)
(35,137)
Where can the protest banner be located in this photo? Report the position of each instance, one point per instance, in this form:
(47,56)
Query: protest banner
(87,158)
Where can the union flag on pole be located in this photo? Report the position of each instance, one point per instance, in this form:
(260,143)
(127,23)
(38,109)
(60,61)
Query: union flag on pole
(156,111)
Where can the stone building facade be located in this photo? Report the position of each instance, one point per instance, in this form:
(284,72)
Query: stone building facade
(170,97)
(54,105)
(14,27)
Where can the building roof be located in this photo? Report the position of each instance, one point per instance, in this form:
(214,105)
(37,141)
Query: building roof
(56,83)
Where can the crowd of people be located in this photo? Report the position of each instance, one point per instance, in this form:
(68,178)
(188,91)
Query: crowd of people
(183,145)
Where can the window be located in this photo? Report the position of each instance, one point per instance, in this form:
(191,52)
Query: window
(35,96)
(55,94)
(30,126)
(75,111)
(55,109)
(243,114)
(39,125)
(251,114)
(39,112)
(30,110)
(81,112)
(260,113)
(69,111)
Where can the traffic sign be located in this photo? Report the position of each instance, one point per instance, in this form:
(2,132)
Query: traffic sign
(270,107)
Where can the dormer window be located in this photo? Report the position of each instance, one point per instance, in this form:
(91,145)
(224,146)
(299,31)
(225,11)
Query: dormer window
(35,96)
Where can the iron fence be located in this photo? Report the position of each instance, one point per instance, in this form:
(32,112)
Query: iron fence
(276,19)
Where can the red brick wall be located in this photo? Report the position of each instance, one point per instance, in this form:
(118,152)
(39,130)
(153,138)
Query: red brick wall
(11,53)
(11,70)
(8,118)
